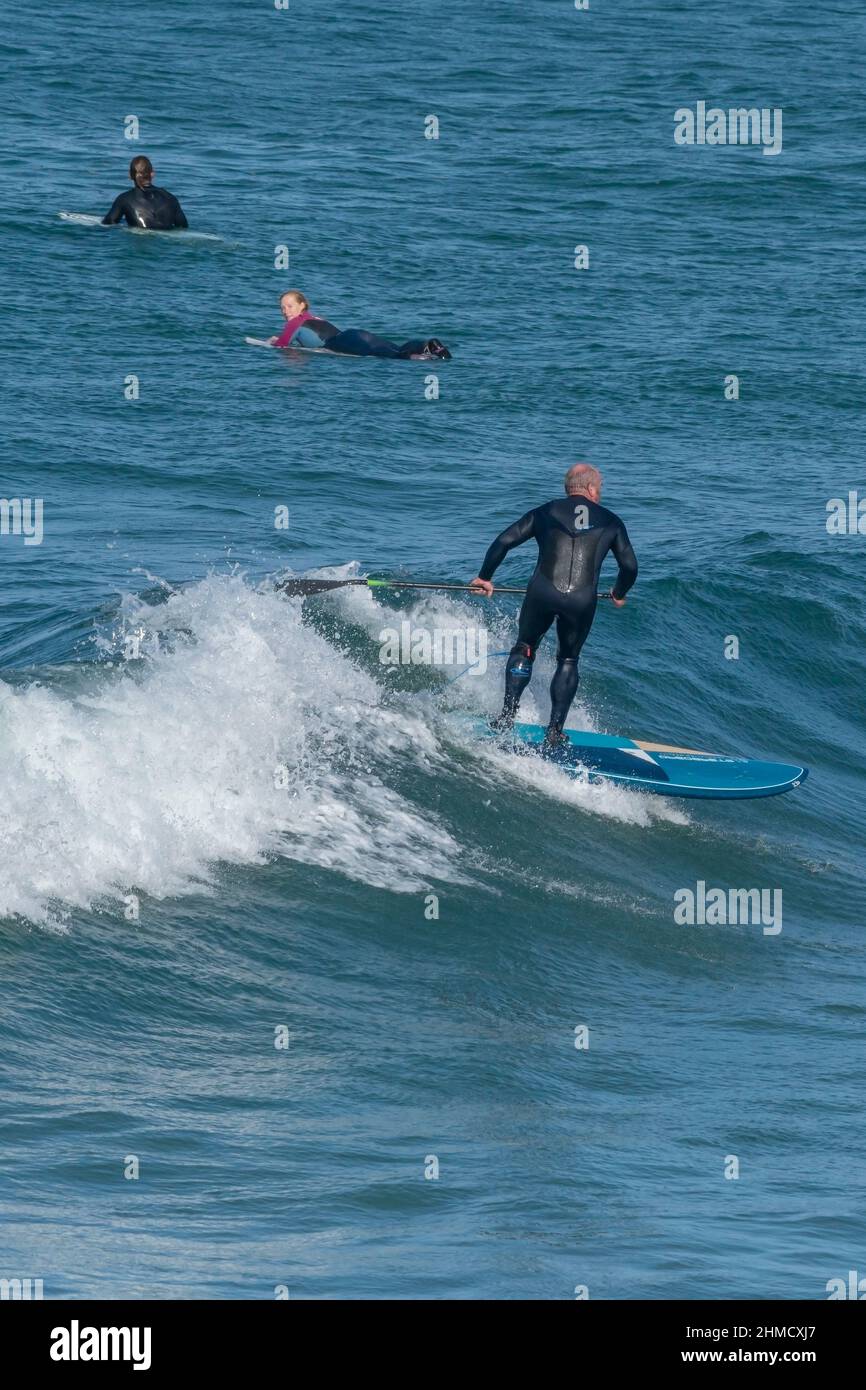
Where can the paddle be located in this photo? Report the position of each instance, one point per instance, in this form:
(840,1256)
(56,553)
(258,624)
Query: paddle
(320,586)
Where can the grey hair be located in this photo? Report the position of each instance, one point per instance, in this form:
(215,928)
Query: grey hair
(580,476)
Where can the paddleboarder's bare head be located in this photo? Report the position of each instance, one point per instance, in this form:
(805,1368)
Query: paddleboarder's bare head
(583,480)
(293,303)
(141,171)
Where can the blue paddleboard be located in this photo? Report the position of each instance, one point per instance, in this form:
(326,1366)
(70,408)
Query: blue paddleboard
(653,767)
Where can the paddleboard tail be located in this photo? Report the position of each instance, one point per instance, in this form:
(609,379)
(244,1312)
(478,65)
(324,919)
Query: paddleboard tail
(660,768)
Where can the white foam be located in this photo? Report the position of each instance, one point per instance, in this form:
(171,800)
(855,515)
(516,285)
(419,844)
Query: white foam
(149,775)
(480,692)
(146,776)
(599,798)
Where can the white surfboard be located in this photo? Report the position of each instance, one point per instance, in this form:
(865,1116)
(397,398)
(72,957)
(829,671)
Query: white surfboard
(84,219)
(88,219)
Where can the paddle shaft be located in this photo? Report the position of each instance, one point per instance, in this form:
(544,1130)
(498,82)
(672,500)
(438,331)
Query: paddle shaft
(322,586)
(455,588)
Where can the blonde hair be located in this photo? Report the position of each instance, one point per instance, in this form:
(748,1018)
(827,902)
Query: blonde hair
(296,294)
(580,476)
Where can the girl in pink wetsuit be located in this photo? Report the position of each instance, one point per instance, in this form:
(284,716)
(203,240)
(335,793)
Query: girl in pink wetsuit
(304,329)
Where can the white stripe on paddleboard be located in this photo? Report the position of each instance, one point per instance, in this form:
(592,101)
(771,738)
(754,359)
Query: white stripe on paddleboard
(671,748)
(638,750)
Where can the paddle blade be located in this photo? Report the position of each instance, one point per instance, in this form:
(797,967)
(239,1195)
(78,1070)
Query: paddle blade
(314,586)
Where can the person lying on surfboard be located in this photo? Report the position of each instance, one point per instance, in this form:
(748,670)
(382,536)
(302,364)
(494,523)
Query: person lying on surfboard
(143,205)
(305,329)
(574,533)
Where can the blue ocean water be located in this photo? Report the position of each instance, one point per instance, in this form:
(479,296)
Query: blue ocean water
(166,907)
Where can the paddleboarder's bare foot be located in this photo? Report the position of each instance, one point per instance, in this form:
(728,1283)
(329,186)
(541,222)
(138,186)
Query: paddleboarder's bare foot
(554,739)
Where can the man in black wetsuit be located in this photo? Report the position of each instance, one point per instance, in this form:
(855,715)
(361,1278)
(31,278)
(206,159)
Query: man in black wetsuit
(574,534)
(143,205)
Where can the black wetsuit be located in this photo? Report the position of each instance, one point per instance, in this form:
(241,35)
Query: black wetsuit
(574,535)
(357,342)
(154,208)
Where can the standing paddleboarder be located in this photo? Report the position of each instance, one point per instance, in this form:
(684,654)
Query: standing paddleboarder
(143,205)
(574,534)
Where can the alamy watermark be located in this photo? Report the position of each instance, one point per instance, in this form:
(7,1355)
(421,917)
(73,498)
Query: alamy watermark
(853,1287)
(22,516)
(739,125)
(847,517)
(77,1343)
(438,646)
(21,1289)
(720,907)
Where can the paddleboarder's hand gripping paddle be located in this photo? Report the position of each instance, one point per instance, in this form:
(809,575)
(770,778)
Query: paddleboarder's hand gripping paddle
(481,586)
(485,587)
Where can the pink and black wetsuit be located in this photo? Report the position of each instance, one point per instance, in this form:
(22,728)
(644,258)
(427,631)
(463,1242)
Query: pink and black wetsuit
(311,332)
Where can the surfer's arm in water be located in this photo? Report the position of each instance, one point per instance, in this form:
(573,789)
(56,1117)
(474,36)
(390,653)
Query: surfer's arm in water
(522,530)
(117,211)
(179,214)
(627,561)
